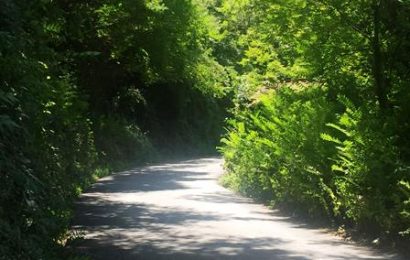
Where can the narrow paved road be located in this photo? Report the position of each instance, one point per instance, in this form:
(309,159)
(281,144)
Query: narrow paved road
(178,211)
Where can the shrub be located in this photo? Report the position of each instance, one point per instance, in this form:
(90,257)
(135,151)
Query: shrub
(119,141)
(370,178)
(297,148)
(277,145)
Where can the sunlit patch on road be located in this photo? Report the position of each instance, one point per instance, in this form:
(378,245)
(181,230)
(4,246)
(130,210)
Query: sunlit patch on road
(178,211)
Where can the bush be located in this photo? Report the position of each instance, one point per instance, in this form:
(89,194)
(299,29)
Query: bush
(47,147)
(120,142)
(276,145)
(371,180)
(294,148)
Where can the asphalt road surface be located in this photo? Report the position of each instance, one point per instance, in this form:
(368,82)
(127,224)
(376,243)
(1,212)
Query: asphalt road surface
(178,211)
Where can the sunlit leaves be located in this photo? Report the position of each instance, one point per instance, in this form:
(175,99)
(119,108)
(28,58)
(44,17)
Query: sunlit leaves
(328,43)
(156,5)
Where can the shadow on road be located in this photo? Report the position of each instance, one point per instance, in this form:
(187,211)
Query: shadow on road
(177,211)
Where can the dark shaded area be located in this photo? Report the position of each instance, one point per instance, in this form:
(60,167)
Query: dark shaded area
(146,181)
(91,86)
(204,251)
(103,216)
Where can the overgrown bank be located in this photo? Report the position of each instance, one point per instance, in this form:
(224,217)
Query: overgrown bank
(297,150)
(321,116)
(91,86)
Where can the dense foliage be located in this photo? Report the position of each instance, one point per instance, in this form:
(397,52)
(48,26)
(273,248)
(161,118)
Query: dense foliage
(322,115)
(318,94)
(88,86)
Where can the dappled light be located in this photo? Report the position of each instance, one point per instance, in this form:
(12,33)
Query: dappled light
(306,101)
(178,211)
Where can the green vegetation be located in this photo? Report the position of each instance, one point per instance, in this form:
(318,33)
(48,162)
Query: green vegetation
(91,86)
(317,94)
(321,115)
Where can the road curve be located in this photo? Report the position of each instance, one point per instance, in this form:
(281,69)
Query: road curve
(178,211)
